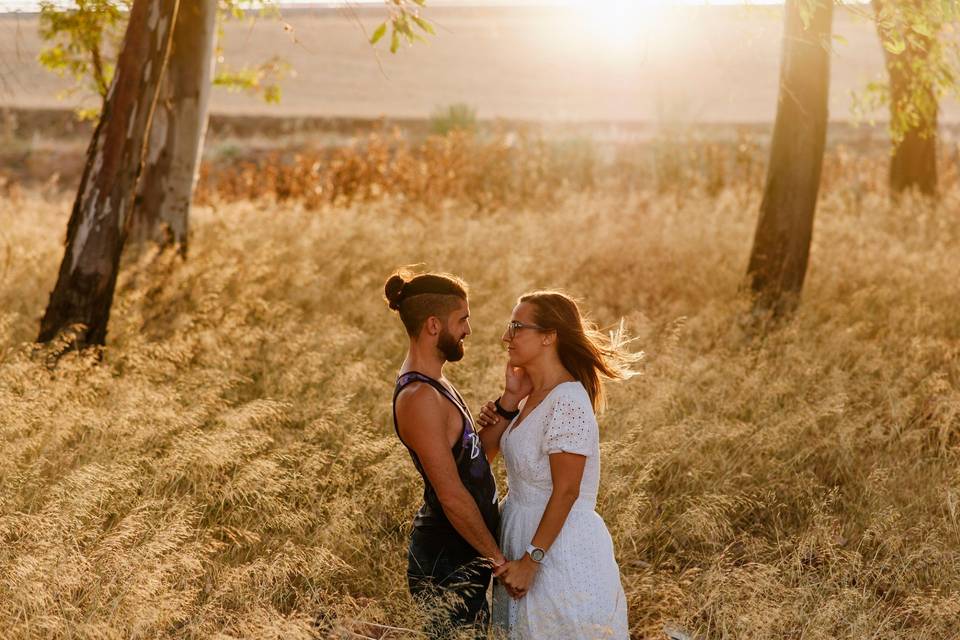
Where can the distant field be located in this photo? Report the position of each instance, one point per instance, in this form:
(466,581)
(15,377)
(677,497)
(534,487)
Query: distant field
(705,64)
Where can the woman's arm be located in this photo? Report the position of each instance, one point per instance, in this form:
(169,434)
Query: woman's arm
(566,469)
(491,430)
(492,425)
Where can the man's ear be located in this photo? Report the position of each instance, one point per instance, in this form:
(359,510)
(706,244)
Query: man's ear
(433,325)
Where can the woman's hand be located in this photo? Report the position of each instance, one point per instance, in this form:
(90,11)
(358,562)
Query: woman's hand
(517,576)
(517,386)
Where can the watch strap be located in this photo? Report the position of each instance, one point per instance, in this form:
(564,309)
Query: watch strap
(536,553)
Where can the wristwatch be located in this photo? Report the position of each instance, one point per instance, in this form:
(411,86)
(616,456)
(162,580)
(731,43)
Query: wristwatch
(509,415)
(536,553)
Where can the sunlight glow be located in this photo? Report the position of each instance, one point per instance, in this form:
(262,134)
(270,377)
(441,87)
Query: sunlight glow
(616,27)
(620,23)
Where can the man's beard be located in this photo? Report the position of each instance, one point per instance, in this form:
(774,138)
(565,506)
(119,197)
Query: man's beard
(451,348)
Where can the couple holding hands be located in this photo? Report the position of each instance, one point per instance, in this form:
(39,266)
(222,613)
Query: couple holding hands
(551,554)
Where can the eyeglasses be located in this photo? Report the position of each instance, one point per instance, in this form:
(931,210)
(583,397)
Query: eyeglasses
(515,325)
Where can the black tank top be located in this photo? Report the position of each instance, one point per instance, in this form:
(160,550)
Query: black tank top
(472,466)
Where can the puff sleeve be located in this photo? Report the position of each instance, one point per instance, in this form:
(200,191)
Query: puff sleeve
(572,427)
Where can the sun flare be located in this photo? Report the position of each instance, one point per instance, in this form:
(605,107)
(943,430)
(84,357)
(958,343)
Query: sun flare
(621,26)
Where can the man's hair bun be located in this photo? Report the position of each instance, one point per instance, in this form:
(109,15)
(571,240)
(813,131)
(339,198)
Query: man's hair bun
(393,290)
(422,295)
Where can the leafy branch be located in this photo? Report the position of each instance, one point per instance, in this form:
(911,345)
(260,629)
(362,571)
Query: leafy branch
(920,39)
(404,16)
(87,36)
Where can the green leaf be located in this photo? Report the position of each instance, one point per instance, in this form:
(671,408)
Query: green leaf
(840,39)
(895,44)
(403,26)
(378,33)
(87,113)
(923,28)
(394,41)
(423,24)
(54,58)
(271,94)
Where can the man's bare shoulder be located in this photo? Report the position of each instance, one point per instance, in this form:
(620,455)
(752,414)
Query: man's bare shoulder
(419,398)
(422,416)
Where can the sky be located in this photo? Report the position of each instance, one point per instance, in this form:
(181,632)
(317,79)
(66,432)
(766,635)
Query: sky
(32,5)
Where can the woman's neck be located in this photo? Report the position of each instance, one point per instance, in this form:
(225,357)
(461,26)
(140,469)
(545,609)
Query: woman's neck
(547,374)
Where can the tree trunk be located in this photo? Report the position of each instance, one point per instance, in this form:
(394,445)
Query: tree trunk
(172,162)
(913,164)
(99,222)
(781,245)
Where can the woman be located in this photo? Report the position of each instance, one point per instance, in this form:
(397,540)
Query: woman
(561,580)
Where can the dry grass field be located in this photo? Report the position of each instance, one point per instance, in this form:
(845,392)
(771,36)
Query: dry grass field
(229,469)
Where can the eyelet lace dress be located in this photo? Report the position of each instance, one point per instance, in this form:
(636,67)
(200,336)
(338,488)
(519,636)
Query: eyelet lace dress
(576,593)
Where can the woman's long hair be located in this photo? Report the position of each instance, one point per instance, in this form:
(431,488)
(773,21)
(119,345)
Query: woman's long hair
(584,351)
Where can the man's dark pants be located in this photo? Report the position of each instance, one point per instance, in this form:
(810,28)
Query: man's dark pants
(450,580)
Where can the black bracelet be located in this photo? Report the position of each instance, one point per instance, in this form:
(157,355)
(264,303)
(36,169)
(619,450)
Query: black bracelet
(509,415)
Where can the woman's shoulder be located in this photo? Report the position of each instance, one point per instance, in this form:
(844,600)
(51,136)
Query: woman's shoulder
(571,425)
(574,389)
(573,395)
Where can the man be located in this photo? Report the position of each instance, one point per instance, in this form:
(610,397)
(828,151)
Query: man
(453,546)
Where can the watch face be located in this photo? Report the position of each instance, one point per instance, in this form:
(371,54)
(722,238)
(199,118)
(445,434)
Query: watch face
(537,555)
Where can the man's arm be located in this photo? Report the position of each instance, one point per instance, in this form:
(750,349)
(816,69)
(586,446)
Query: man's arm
(421,417)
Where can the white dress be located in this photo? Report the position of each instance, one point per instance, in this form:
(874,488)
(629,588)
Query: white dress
(576,593)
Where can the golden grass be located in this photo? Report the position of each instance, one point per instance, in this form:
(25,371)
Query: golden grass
(489,172)
(230,469)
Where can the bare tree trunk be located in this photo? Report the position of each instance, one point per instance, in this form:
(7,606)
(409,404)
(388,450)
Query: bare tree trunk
(99,222)
(172,162)
(781,245)
(913,164)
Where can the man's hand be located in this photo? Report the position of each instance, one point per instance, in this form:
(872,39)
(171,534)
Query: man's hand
(499,572)
(499,569)
(517,576)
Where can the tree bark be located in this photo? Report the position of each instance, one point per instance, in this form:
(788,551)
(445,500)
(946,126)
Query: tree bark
(913,164)
(81,299)
(781,244)
(162,209)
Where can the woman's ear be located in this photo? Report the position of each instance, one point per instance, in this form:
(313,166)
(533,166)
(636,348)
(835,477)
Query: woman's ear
(549,338)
